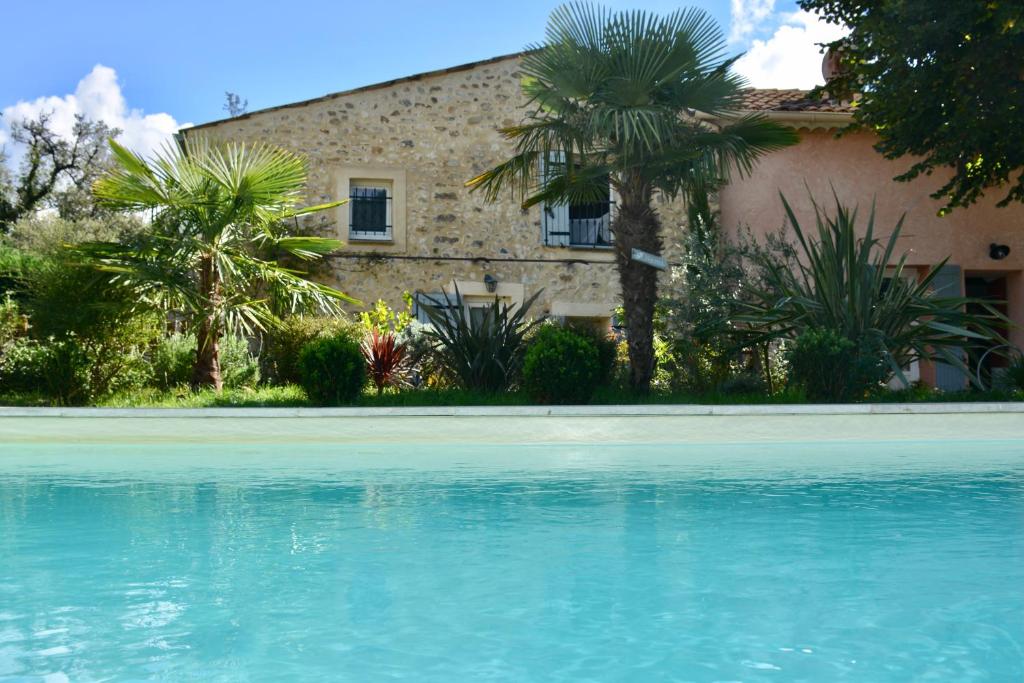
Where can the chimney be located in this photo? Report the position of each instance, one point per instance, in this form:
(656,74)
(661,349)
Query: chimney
(831,64)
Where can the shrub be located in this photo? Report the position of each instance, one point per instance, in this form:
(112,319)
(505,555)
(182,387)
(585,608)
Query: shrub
(607,349)
(384,319)
(385,358)
(281,345)
(53,368)
(484,354)
(332,370)
(1015,374)
(70,370)
(561,366)
(831,368)
(12,322)
(856,287)
(174,356)
(238,366)
(90,333)
(743,383)
(424,368)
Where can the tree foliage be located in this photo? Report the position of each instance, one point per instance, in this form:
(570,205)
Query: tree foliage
(940,81)
(55,172)
(234,105)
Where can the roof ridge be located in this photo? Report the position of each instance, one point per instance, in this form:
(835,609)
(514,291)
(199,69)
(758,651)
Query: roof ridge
(363,88)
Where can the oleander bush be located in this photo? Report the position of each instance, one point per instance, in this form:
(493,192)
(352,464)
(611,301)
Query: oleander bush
(561,365)
(332,370)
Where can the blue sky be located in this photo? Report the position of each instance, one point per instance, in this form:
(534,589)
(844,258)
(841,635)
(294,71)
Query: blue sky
(166,65)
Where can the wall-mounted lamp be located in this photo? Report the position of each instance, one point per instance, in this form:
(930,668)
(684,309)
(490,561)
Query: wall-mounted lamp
(490,283)
(997,252)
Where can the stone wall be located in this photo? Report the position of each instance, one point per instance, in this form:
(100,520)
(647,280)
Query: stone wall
(439,130)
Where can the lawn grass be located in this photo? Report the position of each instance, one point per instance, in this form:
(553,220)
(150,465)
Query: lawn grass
(291,396)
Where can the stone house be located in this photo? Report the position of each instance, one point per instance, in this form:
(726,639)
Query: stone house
(401,151)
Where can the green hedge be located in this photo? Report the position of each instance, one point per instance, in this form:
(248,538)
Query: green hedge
(561,366)
(332,370)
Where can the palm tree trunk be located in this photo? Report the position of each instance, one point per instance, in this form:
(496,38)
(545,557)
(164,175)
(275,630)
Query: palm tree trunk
(206,372)
(637,226)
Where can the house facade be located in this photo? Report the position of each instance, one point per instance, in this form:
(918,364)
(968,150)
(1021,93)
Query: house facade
(402,151)
(984,244)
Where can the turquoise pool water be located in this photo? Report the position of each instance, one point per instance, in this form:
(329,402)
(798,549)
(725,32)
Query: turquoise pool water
(869,562)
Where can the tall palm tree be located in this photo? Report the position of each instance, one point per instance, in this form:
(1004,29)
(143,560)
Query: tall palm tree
(214,210)
(646,103)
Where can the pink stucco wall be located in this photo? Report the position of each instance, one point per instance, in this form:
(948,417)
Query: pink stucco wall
(860,175)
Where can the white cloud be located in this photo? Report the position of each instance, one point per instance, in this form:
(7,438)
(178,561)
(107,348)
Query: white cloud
(746,16)
(791,58)
(98,96)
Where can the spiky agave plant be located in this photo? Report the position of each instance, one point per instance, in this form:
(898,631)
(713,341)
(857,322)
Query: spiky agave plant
(385,359)
(853,286)
(484,354)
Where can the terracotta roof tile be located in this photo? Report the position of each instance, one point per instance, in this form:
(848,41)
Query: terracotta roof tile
(772,99)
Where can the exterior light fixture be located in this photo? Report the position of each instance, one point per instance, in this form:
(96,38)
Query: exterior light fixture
(997,252)
(490,283)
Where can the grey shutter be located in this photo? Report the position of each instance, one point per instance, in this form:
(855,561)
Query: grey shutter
(439,299)
(948,283)
(554,218)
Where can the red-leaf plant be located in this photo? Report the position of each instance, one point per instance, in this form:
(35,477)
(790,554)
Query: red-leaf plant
(385,359)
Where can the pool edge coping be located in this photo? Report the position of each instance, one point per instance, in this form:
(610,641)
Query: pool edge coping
(673,410)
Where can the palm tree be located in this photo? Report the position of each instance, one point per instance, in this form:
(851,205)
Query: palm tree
(215,209)
(645,103)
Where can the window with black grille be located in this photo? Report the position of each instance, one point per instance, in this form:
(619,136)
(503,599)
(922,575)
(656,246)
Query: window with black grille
(590,224)
(369,211)
(585,225)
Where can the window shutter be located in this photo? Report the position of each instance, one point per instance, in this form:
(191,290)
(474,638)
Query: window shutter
(554,218)
(436,299)
(948,283)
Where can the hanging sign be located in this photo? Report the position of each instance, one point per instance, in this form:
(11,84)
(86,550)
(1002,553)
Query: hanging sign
(649,259)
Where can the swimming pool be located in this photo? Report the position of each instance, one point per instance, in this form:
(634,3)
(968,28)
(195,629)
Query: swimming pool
(348,549)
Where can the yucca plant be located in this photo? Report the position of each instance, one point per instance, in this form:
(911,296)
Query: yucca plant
(213,209)
(385,359)
(486,354)
(853,287)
